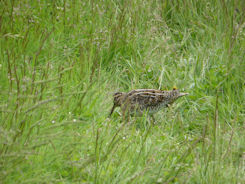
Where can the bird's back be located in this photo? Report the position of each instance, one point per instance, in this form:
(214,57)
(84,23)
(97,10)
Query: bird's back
(146,99)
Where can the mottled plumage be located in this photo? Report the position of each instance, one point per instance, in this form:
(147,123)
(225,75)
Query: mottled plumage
(140,100)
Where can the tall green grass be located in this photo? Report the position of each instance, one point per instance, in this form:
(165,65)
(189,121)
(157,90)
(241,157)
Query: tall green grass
(61,61)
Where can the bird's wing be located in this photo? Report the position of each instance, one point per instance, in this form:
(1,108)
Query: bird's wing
(147,98)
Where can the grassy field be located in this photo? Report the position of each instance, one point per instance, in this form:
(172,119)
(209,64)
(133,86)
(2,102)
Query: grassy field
(61,61)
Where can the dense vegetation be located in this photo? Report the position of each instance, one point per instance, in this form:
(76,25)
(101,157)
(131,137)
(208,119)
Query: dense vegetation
(61,61)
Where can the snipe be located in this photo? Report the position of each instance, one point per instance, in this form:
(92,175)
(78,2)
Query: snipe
(140,100)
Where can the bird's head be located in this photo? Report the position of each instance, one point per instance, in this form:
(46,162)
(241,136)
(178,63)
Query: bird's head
(118,100)
(118,97)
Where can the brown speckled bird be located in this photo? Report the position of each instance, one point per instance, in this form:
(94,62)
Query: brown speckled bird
(140,100)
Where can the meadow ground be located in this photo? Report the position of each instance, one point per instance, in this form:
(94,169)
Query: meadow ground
(61,61)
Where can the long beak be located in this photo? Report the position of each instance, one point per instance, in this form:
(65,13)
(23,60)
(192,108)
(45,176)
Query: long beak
(183,94)
(114,106)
